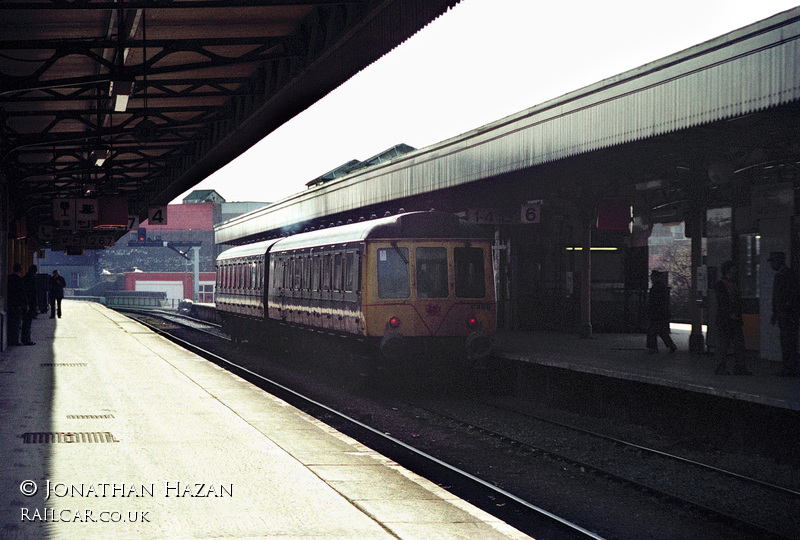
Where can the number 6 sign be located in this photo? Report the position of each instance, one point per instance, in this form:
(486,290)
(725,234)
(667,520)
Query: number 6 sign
(531,212)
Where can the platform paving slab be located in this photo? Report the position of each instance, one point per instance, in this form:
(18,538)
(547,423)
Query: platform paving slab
(190,450)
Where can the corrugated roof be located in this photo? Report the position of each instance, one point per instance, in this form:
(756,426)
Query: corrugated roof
(748,70)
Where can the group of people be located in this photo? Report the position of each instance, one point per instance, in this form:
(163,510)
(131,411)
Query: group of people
(729,318)
(23,305)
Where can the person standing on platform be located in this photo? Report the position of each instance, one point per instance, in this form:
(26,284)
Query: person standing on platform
(30,304)
(17,302)
(658,314)
(57,285)
(785,311)
(730,321)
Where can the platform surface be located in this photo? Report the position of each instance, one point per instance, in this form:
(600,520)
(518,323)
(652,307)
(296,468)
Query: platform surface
(624,356)
(110,431)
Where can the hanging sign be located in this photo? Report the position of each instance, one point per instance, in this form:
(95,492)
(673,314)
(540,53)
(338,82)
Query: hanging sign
(531,212)
(64,213)
(157,215)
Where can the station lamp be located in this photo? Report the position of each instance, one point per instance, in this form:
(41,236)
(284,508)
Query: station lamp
(99,156)
(120,91)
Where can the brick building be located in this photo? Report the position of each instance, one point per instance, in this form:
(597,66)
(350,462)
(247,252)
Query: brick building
(143,268)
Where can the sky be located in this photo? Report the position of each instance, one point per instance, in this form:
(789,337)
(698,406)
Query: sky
(479,62)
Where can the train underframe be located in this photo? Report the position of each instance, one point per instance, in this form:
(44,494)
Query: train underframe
(361,356)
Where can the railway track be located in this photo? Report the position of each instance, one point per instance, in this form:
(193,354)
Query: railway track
(672,477)
(739,505)
(526,516)
(198,325)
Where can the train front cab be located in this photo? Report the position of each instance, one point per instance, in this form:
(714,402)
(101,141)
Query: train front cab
(431,298)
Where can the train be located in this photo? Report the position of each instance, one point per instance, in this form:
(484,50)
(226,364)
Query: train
(410,285)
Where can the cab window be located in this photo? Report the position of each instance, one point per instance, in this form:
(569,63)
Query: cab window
(431,272)
(393,279)
(470,276)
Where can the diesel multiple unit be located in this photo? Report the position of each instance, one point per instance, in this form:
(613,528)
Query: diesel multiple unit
(415,283)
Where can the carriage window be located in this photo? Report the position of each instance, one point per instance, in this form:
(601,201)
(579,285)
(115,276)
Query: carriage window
(288,270)
(315,280)
(393,281)
(432,272)
(349,272)
(306,272)
(298,273)
(325,278)
(337,272)
(470,277)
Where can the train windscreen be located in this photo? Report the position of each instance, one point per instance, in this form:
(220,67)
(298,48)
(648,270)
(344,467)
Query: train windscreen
(431,272)
(470,276)
(393,278)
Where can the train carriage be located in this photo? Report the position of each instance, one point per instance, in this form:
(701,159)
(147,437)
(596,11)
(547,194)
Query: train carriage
(410,284)
(240,281)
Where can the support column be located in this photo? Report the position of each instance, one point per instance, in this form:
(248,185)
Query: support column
(585,330)
(694,224)
(5,268)
(196,267)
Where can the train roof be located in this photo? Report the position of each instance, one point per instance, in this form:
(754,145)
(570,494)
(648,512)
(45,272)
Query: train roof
(248,250)
(411,224)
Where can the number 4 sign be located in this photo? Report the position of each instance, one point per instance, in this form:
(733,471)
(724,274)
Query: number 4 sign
(157,215)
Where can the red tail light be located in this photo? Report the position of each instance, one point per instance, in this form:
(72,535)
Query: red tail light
(394,322)
(472,322)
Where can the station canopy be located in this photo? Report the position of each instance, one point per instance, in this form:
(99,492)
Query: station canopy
(110,108)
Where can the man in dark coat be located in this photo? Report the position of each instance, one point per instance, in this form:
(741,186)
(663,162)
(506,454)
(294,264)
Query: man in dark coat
(658,313)
(17,302)
(57,284)
(30,308)
(785,311)
(730,321)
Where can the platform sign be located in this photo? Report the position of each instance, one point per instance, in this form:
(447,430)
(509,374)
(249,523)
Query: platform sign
(86,214)
(86,209)
(157,215)
(99,240)
(75,214)
(88,240)
(46,233)
(64,213)
(490,216)
(531,212)
(133,222)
